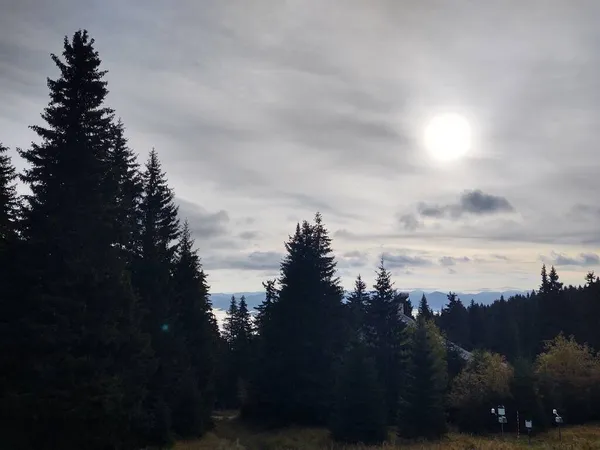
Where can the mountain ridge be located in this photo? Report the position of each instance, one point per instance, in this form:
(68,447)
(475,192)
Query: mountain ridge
(436,299)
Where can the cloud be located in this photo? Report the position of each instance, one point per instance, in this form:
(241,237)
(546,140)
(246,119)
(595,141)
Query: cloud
(583,259)
(284,109)
(410,222)
(474,202)
(352,259)
(203,224)
(253,261)
(452,261)
(402,260)
(248,235)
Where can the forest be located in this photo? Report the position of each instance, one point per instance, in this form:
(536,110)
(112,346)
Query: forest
(108,338)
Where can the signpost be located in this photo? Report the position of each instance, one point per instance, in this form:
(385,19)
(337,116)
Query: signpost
(501,414)
(529,426)
(559,421)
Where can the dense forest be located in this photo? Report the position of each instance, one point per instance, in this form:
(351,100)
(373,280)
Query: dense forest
(108,339)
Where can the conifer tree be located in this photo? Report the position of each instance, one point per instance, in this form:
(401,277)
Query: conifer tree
(386,338)
(229,324)
(359,414)
(8,197)
(196,327)
(454,321)
(10,268)
(303,338)
(263,310)
(424,310)
(422,409)
(152,278)
(356,306)
(126,182)
(84,365)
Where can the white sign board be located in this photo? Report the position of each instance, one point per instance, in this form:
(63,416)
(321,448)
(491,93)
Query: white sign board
(528,424)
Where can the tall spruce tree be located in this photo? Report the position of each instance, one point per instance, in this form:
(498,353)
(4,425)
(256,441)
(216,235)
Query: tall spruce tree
(152,278)
(386,338)
(359,414)
(303,339)
(196,328)
(127,184)
(422,409)
(84,361)
(9,273)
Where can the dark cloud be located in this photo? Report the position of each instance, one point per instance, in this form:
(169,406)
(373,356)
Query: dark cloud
(402,260)
(248,235)
(409,222)
(452,261)
(583,259)
(203,224)
(257,261)
(474,202)
(478,202)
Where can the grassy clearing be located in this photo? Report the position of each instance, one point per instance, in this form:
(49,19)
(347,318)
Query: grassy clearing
(232,435)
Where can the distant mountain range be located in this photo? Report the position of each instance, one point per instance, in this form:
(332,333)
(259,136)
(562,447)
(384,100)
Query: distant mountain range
(436,299)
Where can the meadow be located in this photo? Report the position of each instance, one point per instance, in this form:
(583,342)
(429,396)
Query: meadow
(230,434)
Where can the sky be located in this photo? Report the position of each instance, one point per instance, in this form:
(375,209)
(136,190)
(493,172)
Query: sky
(266,111)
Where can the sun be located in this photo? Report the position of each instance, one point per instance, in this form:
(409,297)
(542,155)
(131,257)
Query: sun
(448,137)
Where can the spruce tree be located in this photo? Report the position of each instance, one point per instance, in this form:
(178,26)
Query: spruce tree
(424,310)
(422,409)
(126,182)
(8,198)
(229,324)
(454,321)
(84,361)
(263,310)
(359,414)
(159,229)
(303,339)
(196,328)
(386,338)
(356,306)
(242,348)
(10,269)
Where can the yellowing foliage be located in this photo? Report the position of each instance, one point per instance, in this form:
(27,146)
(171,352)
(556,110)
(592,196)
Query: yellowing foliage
(486,377)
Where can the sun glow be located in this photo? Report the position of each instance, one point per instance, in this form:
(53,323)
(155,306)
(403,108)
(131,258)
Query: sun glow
(448,137)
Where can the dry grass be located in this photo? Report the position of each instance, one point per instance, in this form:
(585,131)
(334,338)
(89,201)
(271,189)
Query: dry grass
(232,435)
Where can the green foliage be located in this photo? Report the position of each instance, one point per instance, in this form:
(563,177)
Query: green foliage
(303,338)
(425,311)
(83,359)
(8,197)
(356,309)
(569,376)
(422,408)
(195,328)
(386,338)
(359,414)
(483,384)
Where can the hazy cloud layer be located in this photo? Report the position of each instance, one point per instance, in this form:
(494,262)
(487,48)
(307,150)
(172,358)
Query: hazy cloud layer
(583,259)
(470,202)
(264,113)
